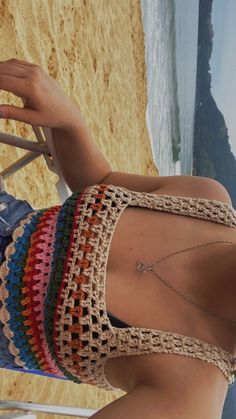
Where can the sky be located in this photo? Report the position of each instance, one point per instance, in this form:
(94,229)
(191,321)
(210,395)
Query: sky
(223,63)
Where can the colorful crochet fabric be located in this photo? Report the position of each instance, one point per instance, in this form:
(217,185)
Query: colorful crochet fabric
(26,275)
(32,285)
(53,287)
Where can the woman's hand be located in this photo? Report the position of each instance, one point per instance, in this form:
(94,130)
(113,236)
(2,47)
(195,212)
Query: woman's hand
(45,103)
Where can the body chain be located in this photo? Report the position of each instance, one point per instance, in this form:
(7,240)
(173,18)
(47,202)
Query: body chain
(143,268)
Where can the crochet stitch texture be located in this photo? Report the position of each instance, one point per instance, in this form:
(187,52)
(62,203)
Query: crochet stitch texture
(53,287)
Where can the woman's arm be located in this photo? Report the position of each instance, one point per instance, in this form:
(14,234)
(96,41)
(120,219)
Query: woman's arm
(141,403)
(46,105)
(147,402)
(81,162)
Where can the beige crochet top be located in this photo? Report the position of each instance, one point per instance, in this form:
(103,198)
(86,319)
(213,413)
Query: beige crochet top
(66,321)
(109,341)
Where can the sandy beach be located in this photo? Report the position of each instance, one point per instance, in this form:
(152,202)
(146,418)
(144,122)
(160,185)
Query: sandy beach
(95,51)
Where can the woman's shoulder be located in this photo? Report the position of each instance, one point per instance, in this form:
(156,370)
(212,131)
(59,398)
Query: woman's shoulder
(178,185)
(195,187)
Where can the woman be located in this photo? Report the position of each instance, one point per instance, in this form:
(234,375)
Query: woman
(86,292)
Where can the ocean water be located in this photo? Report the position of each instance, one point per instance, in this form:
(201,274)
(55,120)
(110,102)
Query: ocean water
(171,33)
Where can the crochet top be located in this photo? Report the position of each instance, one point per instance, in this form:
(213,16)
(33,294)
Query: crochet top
(53,287)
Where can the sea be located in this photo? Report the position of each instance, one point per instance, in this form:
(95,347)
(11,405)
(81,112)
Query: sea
(171,36)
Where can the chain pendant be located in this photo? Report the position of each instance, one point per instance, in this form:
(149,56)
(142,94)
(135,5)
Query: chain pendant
(141,267)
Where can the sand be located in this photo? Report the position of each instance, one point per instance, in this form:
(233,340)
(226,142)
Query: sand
(95,51)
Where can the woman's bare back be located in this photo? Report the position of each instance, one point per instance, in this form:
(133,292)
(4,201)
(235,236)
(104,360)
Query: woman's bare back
(142,300)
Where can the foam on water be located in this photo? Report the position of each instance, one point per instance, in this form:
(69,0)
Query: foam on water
(171,29)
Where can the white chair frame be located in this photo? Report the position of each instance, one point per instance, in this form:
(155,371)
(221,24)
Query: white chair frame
(27,415)
(44,147)
(45,408)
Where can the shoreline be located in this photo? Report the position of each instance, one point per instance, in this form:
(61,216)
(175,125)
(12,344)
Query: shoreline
(151,139)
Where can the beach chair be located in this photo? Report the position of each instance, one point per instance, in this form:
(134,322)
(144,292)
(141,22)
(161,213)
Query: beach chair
(27,415)
(28,408)
(44,146)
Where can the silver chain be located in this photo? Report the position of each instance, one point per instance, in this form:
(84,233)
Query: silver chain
(143,268)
